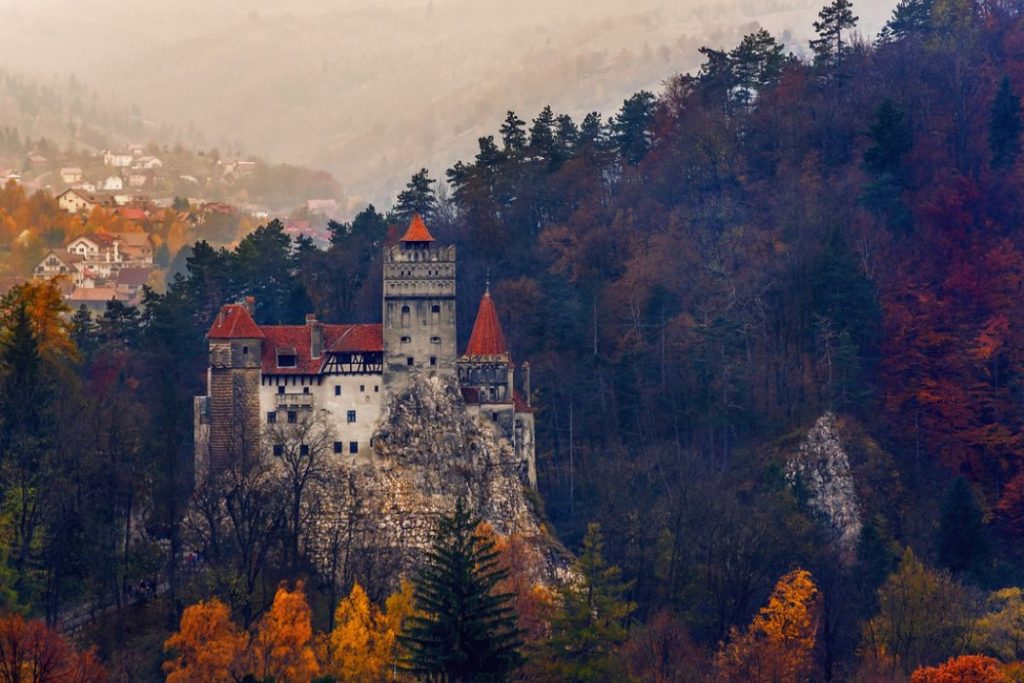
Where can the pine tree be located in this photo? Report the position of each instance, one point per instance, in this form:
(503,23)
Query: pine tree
(513,134)
(542,133)
(756,64)
(1004,126)
(909,17)
(892,138)
(963,543)
(834,19)
(593,620)
(418,197)
(631,128)
(466,631)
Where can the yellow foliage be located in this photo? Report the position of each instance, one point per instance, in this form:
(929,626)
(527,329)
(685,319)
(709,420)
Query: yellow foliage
(360,649)
(1001,630)
(778,645)
(48,311)
(282,647)
(209,646)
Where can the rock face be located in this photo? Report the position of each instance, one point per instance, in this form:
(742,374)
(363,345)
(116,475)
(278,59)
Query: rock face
(428,451)
(821,468)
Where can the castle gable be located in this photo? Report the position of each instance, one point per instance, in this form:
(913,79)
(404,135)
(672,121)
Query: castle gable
(294,344)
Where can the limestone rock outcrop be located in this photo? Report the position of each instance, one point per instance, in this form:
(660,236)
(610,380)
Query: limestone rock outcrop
(428,452)
(821,468)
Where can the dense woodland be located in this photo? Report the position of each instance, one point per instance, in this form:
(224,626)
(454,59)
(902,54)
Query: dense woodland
(695,279)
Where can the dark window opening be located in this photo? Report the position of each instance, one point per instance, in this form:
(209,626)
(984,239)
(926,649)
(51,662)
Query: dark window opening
(351,416)
(278,450)
(338,447)
(293,417)
(353,447)
(305,390)
(435,340)
(362,387)
(287,360)
(409,361)
(337,390)
(494,417)
(271,417)
(376,388)
(433,361)
(245,350)
(304,449)
(280,389)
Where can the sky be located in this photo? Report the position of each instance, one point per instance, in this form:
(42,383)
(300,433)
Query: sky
(372,90)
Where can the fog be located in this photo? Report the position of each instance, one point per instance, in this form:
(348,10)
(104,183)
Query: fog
(373,89)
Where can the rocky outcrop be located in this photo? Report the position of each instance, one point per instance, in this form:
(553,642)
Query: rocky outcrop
(428,452)
(820,469)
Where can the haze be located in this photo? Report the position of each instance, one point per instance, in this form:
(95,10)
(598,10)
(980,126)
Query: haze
(371,90)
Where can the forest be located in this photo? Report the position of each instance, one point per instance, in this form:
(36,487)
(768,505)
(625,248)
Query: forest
(696,279)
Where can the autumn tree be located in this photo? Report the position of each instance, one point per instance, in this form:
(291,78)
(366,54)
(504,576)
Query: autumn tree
(466,630)
(779,643)
(30,651)
(282,646)
(361,646)
(1001,629)
(1004,126)
(207,646)
(963,669)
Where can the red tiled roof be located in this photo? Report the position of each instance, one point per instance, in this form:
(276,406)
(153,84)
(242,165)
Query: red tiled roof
(295,339)
(486,339)
(132,213)
(234,322)
(417,231)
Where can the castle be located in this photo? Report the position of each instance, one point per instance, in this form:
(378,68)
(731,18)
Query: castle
(263,376)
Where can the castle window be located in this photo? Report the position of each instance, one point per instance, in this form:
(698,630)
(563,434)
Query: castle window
(494,417)
(245,350)
(305,390)
(353,447)
(406,340)
(409,361)
(405,316)
(435,340)
(376,388)
(271,417)
(293,417)
(433,361)
(278,450)
(286,360)
(338,447)
(304,449)
(362,388)
(351,416)
(337,390)
(280,389)
(435,315)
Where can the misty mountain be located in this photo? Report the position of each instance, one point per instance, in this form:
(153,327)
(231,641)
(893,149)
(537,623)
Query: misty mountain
(371,89)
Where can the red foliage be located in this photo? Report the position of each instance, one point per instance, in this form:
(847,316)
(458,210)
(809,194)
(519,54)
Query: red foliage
(964,669)
(29,651)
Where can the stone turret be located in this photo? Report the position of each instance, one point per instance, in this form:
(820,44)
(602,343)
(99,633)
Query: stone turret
(419,308)
(232,408)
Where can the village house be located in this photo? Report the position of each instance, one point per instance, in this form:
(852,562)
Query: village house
(139,178)
(57,263)
(71,174)
(117,159)
(148,163)
(76,201)
(113,183)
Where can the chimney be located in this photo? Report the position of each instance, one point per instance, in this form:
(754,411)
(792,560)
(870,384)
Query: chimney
(316,335)
(526,382)
(250,305)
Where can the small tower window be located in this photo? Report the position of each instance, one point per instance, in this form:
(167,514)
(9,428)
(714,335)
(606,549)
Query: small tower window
(278,450)
(351,416)
(304,449)
(433,361)
(338,447)
(337,390)
(280,389)
(405,316)
(271,417)
(435,315)
(409,361)
(293,417)
(362,388)
(286,360)
(305,390)
(406,340)
(353,447)
(435,340)
(245,350)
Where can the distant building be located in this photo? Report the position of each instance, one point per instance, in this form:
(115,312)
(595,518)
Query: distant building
(139,178)
(76,201)
(118,159)
(71,174)
(56,263)
(148,163)
(113,183)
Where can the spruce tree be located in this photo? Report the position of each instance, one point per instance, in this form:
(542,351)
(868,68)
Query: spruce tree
(1004,126)
(892,137)
(593,621)
(756,64)
(513,134)
(467,631)
(963,543)
(418,197)
(631,129)
(542,133)
(909,17)
(833,21)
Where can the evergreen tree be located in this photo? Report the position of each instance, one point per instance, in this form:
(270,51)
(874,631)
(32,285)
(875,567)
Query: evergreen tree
(756,64)
(593,620)
(963,543)
(893,139)
(591,130)
(542,133)
(833,21)
(466,632)
(513,134)
(417,197)
(631,128)
(909,17)
(1004,126)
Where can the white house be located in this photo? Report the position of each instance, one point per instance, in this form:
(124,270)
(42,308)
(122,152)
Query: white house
(117,159)
(113,183)
(60,263)
(75,201)
(149,163)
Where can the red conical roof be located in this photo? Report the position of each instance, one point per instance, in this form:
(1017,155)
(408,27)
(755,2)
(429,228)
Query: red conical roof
(417,231)
(487,339)
(234,322)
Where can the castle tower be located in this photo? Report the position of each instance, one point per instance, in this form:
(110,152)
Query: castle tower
(487,378)
(232,410)
(419,308)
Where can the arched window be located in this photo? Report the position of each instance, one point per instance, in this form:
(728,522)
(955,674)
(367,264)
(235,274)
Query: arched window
(405,316)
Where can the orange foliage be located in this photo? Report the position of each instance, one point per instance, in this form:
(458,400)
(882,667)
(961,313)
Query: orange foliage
(964,669)
(778,645)
(29,651)
(282,647)
(209,646)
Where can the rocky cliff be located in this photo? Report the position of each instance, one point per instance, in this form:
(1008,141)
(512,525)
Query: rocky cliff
(820,469)
(428,451)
